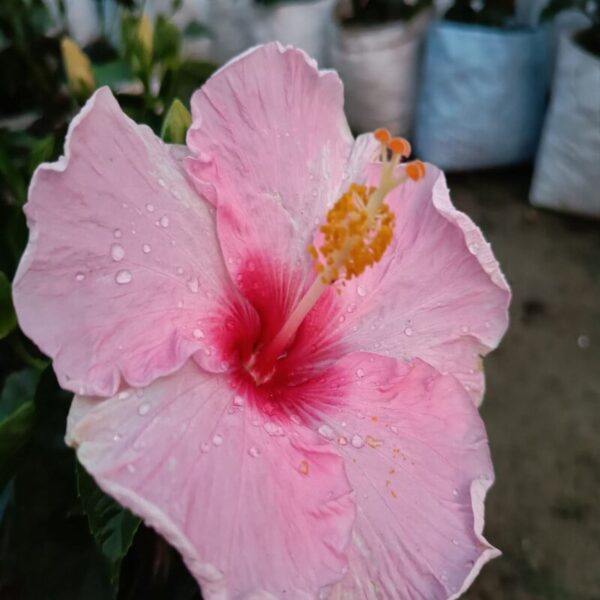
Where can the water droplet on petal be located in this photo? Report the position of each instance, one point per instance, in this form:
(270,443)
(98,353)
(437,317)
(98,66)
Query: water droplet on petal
(146,248)
(198,334)
(123,395)
(238,401)
(164,221)
(326,432)
(144,409)
(217,439)
(204,447)
(123,276)
(455,492)
(455,542)
(193,285)
(150,207)
(408,331)
(464,329)
(162,183)
(473,248)
(273,429)
(117,233)
(357,441)
(79,276)
(253,451)
(360,373)
(360,290)
(117,252)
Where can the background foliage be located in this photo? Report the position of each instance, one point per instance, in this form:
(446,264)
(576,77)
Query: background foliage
(60,536)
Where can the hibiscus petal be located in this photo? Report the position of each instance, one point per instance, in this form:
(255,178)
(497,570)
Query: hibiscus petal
(417,457)
(122,258)
(253,506)
(271,143)
(438,294)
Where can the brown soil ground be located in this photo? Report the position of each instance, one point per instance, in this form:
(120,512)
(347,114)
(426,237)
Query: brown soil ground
(542,406)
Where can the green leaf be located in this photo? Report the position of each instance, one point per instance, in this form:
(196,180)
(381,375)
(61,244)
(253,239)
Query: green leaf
(195,29)
(17,414)
(112,526)
(167,40)
(8,319)
(112,73)
(42,150)
(176,123)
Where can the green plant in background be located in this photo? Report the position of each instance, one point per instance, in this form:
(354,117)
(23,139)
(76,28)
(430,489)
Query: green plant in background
(60,536)
(374,12)
(588,38)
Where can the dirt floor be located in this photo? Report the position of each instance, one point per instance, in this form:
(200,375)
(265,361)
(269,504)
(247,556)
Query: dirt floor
(542,406)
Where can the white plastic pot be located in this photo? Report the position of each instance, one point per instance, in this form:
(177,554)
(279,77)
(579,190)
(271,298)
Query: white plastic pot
(306,25)
(379,66)
(483,95)
(567,171)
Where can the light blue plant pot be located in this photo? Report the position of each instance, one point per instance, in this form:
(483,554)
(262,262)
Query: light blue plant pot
(483,95)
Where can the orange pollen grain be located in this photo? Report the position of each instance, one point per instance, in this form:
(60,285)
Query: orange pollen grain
(400,146)
(382,135)
(415,170)
(303,468)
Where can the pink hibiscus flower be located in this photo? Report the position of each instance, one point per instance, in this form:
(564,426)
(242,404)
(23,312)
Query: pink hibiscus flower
(293,434)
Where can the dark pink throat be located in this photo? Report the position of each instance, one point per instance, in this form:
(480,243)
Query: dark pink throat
(276,384)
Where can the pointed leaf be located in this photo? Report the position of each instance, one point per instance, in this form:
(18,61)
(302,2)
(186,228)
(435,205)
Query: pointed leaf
(176,123)
(112,526)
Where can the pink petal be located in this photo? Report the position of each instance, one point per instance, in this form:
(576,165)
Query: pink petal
(252,505)
(438,294)
(417,457)
(122,258)
(271,143)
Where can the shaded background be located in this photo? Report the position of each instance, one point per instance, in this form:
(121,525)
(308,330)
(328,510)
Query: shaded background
(542,407)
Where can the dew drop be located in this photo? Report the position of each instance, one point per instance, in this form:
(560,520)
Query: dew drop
(473,248)
(464,329)
(238,401)
(204,447)
(326,432)
(455,542)
(193,285)
(455,492)
(408,331)
(146,248)
(144,409)
(198,334)
(179,270)
(150,207)
(253,451)
(117,252)
(164,221)
(79,276)
(315,193)
(162,183)
(342,319)
(117,233)
(272,428)
(123,395)
(217,439)
(360,290)
(357,441)
(360,373)
(123,276)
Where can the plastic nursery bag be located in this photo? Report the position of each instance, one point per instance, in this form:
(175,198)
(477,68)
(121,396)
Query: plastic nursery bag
(483,95)
(379,67)
(567,171)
